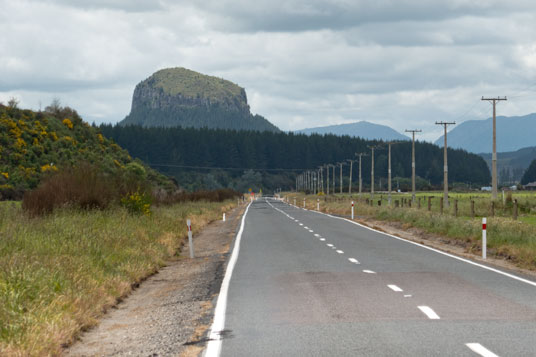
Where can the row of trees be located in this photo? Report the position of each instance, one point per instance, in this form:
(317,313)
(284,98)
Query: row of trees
(280,156)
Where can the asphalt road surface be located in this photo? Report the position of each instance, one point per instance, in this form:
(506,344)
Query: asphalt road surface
(308,284)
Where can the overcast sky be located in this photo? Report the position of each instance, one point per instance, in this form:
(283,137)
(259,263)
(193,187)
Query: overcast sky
(303,63)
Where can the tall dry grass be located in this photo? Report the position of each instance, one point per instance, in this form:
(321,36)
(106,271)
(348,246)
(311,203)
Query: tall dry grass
(60,272)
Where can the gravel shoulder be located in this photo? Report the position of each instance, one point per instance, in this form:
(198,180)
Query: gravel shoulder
(170,313)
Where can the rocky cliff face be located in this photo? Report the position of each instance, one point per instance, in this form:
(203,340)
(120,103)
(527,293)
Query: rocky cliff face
(180,97)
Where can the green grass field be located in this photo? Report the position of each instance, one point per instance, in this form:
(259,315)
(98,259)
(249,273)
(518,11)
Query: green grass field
(59,273)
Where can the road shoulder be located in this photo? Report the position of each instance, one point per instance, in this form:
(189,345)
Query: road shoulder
(171,311)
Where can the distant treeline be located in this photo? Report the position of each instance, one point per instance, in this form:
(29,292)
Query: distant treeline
(266,151)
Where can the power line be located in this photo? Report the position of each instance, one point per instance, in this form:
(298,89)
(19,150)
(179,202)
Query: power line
(222,168)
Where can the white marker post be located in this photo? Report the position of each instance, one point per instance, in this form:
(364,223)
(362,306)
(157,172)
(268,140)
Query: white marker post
(294,201)
(190,241)
(318,204)
(484,238)
(352,209)
(224,217)
(304,203)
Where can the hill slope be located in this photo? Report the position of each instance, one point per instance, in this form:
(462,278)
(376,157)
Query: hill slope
(511,165)
(181,97)
(34,144)
(513,133)
(362,129)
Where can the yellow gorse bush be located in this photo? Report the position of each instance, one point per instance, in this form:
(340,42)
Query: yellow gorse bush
(68,123)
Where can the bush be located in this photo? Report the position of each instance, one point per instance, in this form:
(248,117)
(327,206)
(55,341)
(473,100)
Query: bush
(137,203)
(84,187)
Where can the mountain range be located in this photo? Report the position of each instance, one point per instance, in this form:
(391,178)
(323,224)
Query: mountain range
(513,133)
(362,129)
(175,97)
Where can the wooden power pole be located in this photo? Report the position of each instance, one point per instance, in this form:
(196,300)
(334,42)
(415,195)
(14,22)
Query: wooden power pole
(350,181)
(360,155)
(445,166)
(413,163)
(494,154)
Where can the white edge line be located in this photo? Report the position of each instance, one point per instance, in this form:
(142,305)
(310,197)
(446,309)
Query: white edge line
(429,312)
(353,260)
(215,341)
(394,288)
(369,271)
(481,350)
(434,250)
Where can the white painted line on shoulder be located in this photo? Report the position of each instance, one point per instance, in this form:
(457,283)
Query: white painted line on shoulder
(329,245)
(369,271)
(353,260)
(429,312)
(215,338)
(323,239)
(317,235)
(533,283)
(340,252)
(394,288)
(481,350)
(407,295)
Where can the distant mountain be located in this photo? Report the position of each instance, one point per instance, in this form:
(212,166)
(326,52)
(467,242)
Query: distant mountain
(511,165)
(362,129)
(180,97)
(513,133)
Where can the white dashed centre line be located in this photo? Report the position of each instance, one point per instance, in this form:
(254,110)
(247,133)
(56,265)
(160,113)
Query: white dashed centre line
(340,252)
(301,224)
(394,288)
(317,235)
(329,245)
(369,271)
(481,350)
(306,227)
(322,239)
(429,312)
(407,295)
(353,260)
(310,230)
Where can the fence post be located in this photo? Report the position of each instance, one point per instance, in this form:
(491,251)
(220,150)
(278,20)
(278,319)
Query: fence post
(472,209)
(492,208)
(304,203)
(429,203)
(419,203)
(397,203)
(441,205)
(224,216)
(484,238)
(318,204)
(515,208)
(352,210)
(455,208)
(190,240)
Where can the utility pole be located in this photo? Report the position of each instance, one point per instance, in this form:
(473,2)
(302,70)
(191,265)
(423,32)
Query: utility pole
(389,171)
(350,182)
(341,163)
(445,166)
(494,154)
(333,179)
(413,162)
(372,147)
(327,179)
(360,177)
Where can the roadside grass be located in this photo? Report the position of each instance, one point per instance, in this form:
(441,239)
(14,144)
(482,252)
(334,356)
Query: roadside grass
(59,273)
(514,240)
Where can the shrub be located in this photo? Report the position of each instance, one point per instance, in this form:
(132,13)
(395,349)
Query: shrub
(137,203)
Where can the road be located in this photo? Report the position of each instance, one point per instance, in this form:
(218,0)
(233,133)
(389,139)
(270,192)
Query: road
(308,284)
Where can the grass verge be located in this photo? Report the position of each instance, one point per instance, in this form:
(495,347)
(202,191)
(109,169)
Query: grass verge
(59,273)
(507,238)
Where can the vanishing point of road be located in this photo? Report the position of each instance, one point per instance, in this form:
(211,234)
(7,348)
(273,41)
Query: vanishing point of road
(303,283)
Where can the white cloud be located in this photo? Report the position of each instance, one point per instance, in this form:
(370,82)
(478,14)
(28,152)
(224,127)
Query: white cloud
(303,63)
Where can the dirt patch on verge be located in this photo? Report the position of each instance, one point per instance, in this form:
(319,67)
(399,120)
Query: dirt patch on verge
(171,311)
(446,244)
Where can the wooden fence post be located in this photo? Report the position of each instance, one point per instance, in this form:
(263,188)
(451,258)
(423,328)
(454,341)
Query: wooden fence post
(515,208)
(455,208)
(429,203)
(441,205)
(472,209)
(419,203)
